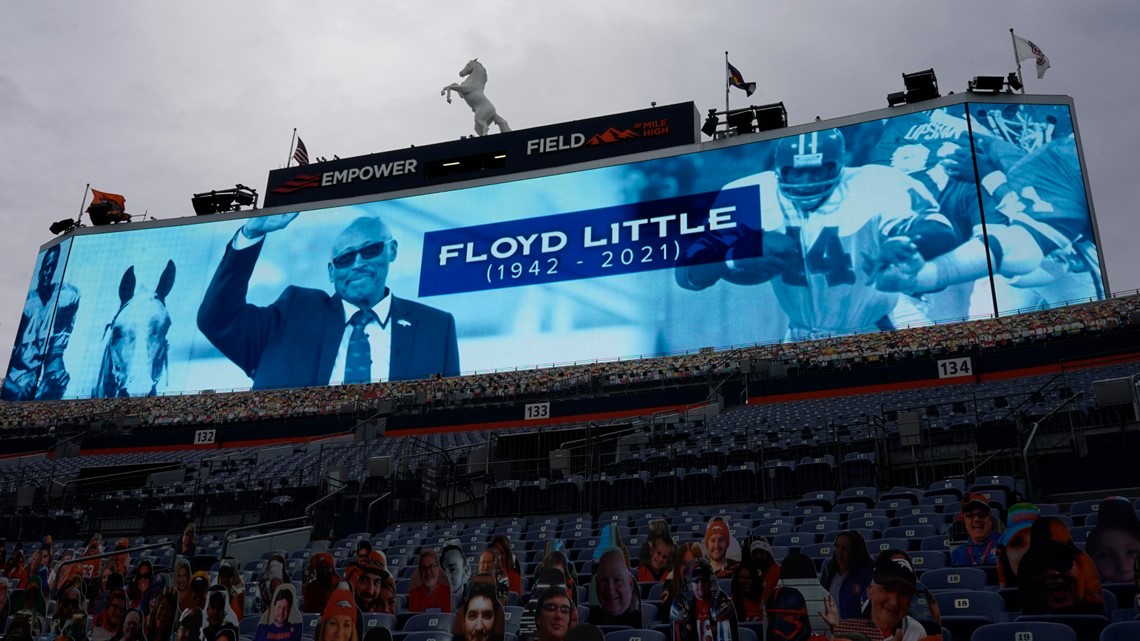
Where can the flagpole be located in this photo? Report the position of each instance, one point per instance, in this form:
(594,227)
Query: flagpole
(725,84)
(86,189)
(289,161)
(1013,41)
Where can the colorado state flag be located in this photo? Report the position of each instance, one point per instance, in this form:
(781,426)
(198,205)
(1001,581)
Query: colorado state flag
(737,80)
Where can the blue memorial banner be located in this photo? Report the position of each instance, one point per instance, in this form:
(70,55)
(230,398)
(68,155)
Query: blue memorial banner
(624,239)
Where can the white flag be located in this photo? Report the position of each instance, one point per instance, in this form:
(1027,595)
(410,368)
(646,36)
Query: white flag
(1026,50)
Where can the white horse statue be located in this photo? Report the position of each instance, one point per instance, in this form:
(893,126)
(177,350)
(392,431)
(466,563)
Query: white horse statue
(471,90)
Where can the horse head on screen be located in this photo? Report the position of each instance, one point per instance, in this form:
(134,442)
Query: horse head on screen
(471,90)
(135,341)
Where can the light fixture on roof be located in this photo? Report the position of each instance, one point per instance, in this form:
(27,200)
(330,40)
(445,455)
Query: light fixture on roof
(920,85)
(223,200)
(986,84)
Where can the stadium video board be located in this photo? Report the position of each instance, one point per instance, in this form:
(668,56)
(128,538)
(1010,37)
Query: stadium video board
(877,224)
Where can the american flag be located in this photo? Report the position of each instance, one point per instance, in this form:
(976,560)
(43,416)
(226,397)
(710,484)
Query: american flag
(301,155)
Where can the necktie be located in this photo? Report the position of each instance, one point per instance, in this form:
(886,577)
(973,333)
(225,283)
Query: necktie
(358,361)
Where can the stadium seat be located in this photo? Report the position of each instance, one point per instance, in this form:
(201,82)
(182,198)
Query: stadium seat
(427,621)
(699,485)
(928,560)
(738,483)
(954,579)
(857,469)
(778,477)
(879,523)
(879,545)
(963,611)
(937,521)
(750,631)
(530,496)
(665,489)
(648,615)
(1027,631)
(955,487)
(866,496)
(512,615)
(423,635)
(1119,631)
(822,498)
(378,633)
(1087,626)
(912,533)
(796,540)
(502,498)
(378,619)
(628,491)
(635,635)
(816,474)
(247,627)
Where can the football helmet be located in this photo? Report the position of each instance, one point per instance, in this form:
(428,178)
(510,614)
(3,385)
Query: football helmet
(810,166)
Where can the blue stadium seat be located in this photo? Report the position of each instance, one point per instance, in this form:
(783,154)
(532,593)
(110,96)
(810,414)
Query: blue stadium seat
(562,496)
(699,485)
(796,540)
(878,523)
(963,611)
(1119,631)
(937,521)
(424,635)
(665,489)
(819,526)
(878,545)
(954,579)
(857,469)
(502,498)
(383,620)
(512,616)
(912,533)
(816,474)
(635,635)
(778,478)
(774,530)
(738,483)
(1028,631)
(441,621)
(866,495)
(1087,626)
(938,543)
(370,634)
(628,491)
(247,627)
(928,560)
(825,499)
(955,487)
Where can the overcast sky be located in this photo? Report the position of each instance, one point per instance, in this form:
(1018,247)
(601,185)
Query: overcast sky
(159,100)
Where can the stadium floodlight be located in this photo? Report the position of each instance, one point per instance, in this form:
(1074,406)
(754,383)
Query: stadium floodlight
(920,85)
(222,200)
(769,117)
(986,84)
(742,120)
(711,123)
(63,226)
(1014,81)
(896,99)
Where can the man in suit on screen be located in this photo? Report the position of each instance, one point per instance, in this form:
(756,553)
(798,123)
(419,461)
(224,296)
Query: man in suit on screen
(360,333)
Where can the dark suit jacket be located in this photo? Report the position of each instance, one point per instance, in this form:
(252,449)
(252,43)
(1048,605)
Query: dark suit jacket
(294,341)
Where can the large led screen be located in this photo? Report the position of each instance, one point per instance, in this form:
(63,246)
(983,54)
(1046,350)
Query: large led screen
(867,227)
